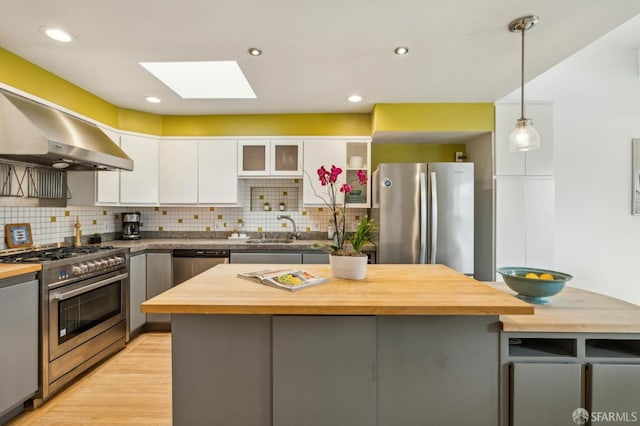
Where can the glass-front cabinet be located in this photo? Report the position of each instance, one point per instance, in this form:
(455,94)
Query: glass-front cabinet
(359,158)
(259,157)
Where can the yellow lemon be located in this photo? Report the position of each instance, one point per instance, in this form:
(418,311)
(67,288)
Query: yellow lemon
(546,277)
(532,275)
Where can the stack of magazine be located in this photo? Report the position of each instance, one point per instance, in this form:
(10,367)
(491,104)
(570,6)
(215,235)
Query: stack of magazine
(288,279)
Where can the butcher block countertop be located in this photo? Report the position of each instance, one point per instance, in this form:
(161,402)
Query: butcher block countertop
(386,290)
(576,311)
(13,270)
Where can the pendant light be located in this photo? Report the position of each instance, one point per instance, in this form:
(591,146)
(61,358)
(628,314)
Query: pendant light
(524,137)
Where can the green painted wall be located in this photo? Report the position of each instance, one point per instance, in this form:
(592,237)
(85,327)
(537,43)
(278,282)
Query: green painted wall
(413,153)
(140,122)
(440,117)
(268,124)
(28,77)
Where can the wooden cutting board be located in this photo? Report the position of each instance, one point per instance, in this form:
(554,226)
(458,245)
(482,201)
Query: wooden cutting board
(18,235)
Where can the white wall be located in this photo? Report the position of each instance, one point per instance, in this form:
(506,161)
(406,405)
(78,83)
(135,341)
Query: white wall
(597,112)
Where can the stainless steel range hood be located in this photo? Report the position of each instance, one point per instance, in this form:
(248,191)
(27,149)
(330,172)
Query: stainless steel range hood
(33,133)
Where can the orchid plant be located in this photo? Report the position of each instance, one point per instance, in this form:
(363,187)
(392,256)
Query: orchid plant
(365,231)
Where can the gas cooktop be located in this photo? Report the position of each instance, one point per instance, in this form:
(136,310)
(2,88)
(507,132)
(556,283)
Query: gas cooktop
(43,255)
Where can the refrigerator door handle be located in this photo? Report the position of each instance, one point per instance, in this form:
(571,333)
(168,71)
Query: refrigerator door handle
(423,218)
(434,218)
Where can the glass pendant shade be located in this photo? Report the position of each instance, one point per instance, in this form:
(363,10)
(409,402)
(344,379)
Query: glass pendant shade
(524,137)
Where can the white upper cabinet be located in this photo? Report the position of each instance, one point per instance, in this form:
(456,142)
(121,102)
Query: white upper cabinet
(140,186)
(321,152)
(217,172)
(108,183)
(253,158)
(538,162)
(95,188)
(525,209)
(178,177)
(259,157)
(350,155)
(286,157)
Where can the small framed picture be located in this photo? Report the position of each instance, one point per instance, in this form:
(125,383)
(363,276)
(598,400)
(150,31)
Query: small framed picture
(18,235)
(635,176)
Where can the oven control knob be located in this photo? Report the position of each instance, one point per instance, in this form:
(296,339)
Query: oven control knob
(84,268)
(91,266)
(76,270)
(112,261)
(119,260)
(101,264)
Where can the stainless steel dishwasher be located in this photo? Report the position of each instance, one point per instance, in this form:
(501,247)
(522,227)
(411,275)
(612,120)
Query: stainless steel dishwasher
(188,263)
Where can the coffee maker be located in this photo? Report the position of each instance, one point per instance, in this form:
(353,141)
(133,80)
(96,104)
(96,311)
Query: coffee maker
(130,225)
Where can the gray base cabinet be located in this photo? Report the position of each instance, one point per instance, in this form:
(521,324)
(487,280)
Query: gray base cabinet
(221,370)
(337,370)
(315,258)
(159,280)
(327,376)
(19,337)
(545,377)
(265,257)
(544,393)
(437,370)
(615,388)
(137,291)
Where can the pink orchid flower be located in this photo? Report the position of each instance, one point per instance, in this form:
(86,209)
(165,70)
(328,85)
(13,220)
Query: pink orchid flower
(346,188)
(322,174)
(335,172)
(362,177)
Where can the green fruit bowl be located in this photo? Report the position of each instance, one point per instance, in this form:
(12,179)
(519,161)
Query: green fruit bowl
(533,290)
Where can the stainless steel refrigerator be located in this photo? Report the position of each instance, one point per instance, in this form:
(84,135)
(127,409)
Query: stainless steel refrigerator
(425,213)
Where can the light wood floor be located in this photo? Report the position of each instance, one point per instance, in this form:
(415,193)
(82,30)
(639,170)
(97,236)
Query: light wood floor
(132,387)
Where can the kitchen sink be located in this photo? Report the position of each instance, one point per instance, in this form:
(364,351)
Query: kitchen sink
(269,241)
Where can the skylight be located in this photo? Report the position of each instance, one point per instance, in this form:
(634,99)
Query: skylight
(203,80)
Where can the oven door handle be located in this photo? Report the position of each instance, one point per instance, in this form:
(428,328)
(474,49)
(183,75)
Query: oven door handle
(90,287)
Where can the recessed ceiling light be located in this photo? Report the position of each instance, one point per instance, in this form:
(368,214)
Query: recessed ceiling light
(203,80)
(153,99)
(354,98)
(402,50)
(57,34)
(254,51)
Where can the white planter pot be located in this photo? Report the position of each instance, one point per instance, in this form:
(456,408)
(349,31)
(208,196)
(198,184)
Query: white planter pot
(348,267)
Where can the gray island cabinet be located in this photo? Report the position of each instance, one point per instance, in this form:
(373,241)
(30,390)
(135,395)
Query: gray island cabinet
(580,352)
(409,345)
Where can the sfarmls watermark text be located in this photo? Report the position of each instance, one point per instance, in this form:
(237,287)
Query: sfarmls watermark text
(581,416)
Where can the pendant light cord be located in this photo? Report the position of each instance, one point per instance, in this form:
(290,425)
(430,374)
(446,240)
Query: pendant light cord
(522,30)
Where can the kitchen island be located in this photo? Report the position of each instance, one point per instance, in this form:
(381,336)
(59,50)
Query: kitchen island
(410,344)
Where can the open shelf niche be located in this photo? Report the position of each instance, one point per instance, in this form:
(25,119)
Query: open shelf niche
(274,196)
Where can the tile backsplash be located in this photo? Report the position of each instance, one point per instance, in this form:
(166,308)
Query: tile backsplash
(52,225)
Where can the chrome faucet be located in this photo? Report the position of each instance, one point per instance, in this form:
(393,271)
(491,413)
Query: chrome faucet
(296,234)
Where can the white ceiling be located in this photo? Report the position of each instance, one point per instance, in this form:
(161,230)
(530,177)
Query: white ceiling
(316,53)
